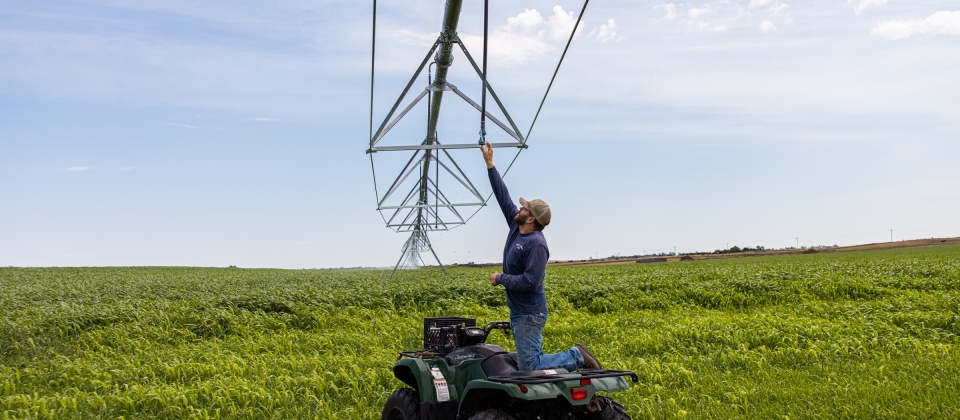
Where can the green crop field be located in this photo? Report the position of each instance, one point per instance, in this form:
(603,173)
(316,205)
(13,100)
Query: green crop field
(845,335)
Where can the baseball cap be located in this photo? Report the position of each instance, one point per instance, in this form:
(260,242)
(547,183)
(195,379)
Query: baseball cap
(538,208)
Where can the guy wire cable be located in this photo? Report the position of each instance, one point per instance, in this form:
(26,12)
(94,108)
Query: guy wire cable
(373,57)
(557,70)
(483,97)
(373,60)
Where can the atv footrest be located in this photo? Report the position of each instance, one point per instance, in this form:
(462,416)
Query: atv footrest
(545,378)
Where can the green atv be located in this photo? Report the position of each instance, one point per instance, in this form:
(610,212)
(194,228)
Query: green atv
(459,376)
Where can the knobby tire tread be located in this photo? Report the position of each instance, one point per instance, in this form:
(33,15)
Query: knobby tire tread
(612,410)
(492,414)
(406,400)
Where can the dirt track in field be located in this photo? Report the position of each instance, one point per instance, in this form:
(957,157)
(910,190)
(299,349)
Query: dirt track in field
(915,243)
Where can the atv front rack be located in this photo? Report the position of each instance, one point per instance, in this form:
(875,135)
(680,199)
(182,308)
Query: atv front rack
(426,354)
(532,377)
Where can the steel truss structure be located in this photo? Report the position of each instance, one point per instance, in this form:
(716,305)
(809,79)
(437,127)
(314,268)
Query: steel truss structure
(415,213)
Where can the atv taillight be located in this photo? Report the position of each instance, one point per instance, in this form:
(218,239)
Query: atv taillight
(585,382)
(523,388)
(578,393)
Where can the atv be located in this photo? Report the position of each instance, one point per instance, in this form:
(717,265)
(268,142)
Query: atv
(458,376)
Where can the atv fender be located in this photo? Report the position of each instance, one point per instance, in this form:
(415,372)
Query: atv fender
(416,373)
(481,390)
(611,384)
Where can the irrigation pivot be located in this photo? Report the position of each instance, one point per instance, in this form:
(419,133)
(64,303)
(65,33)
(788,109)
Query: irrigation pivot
(414,202)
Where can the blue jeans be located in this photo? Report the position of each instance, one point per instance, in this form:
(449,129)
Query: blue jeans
(528,336)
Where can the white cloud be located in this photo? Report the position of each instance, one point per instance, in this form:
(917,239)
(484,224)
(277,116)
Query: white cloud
(513,43)
(559,26)
(525,21)
(775,6)
(606,32)
(670,8)
(128,168)
(262,119)
(864,4)
(527,36)
(506,48)
(524,37)
(77,168)
(939,23)
(767,27)
(719,28)
(182,125)
(697,12)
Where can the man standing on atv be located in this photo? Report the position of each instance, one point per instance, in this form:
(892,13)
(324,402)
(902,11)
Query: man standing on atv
(524,265)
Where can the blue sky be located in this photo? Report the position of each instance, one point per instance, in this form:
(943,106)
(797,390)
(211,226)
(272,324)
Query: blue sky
(212,134)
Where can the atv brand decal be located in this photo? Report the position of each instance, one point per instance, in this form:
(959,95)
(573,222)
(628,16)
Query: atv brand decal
(549,372)
(440,383)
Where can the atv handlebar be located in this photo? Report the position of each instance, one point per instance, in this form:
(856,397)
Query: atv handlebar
(443,340)
(498,325)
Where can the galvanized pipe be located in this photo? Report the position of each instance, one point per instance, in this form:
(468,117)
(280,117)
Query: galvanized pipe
(448,34)
(444,58)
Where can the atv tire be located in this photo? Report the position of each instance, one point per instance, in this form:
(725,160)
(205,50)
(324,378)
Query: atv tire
(492,414)
(610,409)
(403,404)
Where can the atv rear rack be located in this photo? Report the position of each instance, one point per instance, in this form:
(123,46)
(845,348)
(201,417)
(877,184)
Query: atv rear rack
(544,378)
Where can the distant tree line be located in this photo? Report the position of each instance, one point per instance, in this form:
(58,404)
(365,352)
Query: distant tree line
(732,250)
(735,249)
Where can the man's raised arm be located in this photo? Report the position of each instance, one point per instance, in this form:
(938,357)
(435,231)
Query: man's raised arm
(499,188)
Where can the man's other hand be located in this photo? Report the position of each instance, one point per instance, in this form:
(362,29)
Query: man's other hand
(493,279)
(487,150)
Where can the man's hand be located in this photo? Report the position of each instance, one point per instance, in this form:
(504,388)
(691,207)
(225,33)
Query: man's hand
(493,279)
(487,150)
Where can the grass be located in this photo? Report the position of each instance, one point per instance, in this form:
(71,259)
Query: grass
(852,335)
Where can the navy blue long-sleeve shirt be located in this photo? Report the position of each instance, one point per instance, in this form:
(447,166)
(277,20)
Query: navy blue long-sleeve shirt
(524,258)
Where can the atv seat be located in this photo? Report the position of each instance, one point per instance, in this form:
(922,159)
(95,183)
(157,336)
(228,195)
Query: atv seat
(476,351)
(499,365)
(503,365)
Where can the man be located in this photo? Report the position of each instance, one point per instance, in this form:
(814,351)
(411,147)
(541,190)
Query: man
(524,265)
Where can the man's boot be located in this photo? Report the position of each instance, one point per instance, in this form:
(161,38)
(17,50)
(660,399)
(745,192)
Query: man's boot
(589,362)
